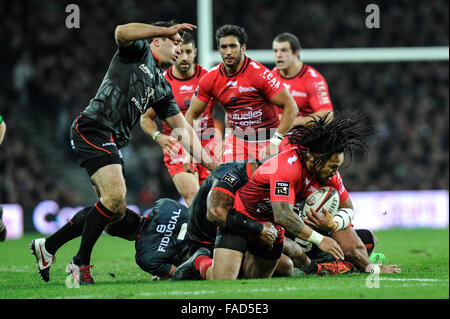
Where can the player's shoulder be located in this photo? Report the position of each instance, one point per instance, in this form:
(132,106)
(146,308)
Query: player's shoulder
(286,162)
(255,66)
(312,72)
(211,75)
(220,171)
(290,156)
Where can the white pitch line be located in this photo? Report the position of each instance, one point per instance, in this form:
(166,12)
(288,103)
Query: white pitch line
(289,288)
(415,279)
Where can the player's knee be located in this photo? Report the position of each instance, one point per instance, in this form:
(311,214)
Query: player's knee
(114,200)
(285,267)
(189,193)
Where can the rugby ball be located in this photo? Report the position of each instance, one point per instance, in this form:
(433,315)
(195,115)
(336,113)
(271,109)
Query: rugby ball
(326,196)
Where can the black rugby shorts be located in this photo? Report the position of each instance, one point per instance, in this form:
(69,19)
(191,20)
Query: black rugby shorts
(93,144)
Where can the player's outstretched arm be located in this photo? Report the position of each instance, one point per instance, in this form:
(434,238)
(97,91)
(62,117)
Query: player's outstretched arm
(168,143)
(285,216)
(196,109)
(189,140)
(126,34)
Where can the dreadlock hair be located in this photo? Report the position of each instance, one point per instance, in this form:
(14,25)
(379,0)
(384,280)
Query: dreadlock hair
(323,138)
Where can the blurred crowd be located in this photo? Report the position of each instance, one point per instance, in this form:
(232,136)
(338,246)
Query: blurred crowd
(49,73)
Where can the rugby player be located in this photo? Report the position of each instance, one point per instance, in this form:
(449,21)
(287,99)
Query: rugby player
(306,85)
(250,94)
(183,77)
(133,85)
(160,235)
(313,162)
(2,225)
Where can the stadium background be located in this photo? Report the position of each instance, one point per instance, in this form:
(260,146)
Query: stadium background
(49,73)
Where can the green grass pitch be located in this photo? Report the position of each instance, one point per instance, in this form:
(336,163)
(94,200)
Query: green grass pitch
(423,255)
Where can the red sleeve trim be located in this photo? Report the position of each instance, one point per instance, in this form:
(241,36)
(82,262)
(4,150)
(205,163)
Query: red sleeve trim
(223,190)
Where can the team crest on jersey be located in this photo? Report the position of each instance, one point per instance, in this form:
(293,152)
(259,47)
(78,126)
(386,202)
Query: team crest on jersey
(187,103)
(233,99)
(230,178)
(282,188)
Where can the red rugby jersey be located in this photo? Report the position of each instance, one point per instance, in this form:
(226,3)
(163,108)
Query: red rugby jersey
(309,90)
(281,179)
(245,94)
(183,89)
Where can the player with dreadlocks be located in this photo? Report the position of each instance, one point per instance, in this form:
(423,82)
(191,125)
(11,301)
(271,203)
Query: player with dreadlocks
(321,148)
(288,178)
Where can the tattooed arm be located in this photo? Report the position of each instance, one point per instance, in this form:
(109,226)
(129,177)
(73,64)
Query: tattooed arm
(218,204)
(220,211)
(284,215)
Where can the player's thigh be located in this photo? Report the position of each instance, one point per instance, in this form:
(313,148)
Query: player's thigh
(227,263)
(260,260)
(257,267)
(110,183)
(228,253)
(187,184)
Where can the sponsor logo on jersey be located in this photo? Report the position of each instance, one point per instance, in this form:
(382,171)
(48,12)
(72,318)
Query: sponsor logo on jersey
(312,72)
(256,66)
(271,79)
(322,93)
(292,159)
(186,88)
(167,230)
(146,70)
(298,93)
(230,179)
(282,188)
(232,84)
(243,89)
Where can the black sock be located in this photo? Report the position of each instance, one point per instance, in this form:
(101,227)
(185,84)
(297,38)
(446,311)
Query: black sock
(96,220)
(69,231)
(311,268)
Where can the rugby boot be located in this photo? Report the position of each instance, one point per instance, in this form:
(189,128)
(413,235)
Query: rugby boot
(81,274)
(43,259)
(187,270)
(336,267)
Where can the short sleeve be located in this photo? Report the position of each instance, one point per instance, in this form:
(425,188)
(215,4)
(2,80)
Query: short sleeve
(203,91)
(283,182)
(268,83)
(136,51)
(231,181)
(166,108)
(317,89)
